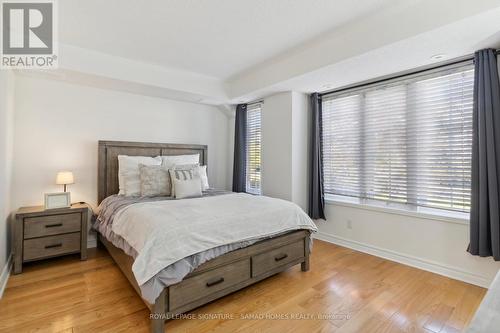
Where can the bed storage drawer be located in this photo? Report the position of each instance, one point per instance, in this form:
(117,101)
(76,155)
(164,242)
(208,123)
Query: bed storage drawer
(51,225)
(204,284)
(45,247)
(265,262)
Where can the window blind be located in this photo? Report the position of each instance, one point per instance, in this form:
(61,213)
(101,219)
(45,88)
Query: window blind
(408,141)
(253,175)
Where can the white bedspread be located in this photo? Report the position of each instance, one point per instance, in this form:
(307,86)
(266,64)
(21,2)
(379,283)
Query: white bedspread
(164,232)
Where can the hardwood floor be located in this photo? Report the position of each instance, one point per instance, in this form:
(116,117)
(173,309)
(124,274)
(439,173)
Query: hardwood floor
(345,291)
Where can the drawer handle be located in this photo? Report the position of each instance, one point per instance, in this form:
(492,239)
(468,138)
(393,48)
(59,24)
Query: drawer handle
(213,283)
(281,257)
(53,225)
(53,245)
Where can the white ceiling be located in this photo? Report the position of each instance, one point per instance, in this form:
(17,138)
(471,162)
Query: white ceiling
(218,38)
(231,51)
(401,37)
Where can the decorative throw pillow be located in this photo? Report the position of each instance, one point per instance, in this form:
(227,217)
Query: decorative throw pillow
(187,188)
(128,173)
(182,172)
(173,160)
(155,180)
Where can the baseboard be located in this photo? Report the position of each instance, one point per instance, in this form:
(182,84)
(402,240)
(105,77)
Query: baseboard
(424,264)
(4,276)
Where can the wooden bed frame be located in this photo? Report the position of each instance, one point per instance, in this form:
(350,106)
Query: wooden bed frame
(214,279)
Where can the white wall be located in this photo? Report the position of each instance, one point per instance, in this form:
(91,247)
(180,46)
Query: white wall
(6,110)
(285,147)
(277,146)
(300,148)
(58,124)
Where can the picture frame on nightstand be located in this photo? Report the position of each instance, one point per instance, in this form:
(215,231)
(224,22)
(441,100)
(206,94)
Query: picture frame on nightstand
(57,200)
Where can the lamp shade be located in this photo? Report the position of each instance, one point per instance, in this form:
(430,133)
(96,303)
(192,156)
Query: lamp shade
(65,178)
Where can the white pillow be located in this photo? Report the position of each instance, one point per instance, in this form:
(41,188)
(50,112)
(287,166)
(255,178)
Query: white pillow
(202,173)
(198,171)
(189,188)
(183,172)
(171,161)
(128,173)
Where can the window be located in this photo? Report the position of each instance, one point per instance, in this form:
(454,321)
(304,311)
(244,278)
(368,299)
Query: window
(406,141)
(253,148)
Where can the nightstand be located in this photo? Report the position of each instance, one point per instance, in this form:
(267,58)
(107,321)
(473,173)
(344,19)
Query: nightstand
(38,233)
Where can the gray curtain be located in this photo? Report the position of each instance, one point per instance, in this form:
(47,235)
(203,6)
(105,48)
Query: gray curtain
(316,208)
(240,149)
(485,193)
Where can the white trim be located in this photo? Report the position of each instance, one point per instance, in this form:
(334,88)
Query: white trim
(424,264)
(4,277)
(449,217)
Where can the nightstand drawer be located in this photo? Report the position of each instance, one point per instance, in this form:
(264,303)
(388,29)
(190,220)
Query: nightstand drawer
(51,225)
(45,247)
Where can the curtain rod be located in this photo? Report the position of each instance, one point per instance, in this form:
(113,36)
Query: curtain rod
(456,61)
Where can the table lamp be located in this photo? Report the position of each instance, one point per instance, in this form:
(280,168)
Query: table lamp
(65,178)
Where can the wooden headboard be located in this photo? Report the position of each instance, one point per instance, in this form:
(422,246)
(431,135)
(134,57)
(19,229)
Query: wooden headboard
(107,175)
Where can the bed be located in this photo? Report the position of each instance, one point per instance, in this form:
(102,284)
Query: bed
(235,268)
